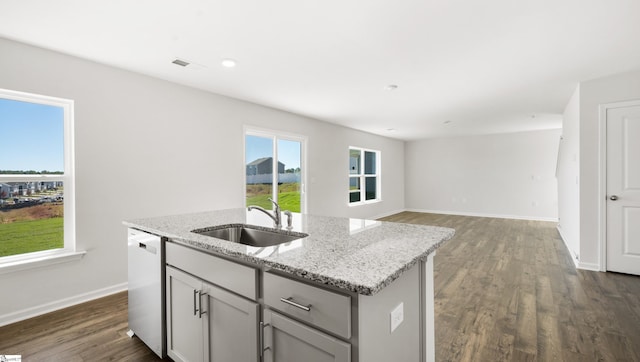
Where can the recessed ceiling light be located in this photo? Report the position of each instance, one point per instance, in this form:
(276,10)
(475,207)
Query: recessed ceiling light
(228,63)
(391,87)
(180,62)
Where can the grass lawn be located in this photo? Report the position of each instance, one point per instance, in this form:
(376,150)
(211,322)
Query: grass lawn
(288,196)
(29,236)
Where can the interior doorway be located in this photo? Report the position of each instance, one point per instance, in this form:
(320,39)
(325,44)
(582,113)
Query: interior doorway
(621,249)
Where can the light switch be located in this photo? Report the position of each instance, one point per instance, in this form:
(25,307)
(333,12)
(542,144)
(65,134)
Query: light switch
(397,316)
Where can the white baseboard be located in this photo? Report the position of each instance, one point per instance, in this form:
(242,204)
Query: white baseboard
(588,266)
(574,257)
(380,216)
(475,214)
(60,304)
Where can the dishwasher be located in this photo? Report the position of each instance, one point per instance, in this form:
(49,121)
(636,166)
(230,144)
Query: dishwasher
(146,289)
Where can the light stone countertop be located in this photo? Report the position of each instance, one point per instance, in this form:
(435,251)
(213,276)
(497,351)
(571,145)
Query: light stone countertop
(361,256)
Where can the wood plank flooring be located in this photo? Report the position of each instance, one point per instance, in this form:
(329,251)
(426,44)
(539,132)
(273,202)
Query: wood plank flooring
(505,290)
(92,331)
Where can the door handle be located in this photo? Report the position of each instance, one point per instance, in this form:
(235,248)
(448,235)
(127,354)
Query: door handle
(263,349)
(195,304)
(613,198)
(201,311)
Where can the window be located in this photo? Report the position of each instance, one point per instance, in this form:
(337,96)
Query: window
(364,176)
(36,177)
(274,168)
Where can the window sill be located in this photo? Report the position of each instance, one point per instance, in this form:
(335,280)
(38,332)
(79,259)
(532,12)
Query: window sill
(362,203)
(40,261)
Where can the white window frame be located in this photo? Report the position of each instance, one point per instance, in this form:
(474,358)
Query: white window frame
(362,176)
(68,252)
(276,135)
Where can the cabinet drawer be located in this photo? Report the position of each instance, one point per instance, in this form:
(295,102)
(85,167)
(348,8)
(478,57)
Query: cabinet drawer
(235,277)
(327,310)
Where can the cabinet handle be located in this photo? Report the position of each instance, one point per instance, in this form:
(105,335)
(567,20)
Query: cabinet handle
(195,305)
(200,295)
(262,347)
(297,305)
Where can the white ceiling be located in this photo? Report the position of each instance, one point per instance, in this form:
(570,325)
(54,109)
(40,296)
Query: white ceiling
(487,66)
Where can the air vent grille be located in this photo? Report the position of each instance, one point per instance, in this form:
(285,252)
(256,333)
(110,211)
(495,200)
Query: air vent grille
(180,62)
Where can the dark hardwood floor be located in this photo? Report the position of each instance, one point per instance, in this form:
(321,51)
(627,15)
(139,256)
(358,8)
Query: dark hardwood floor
(92,331)
(505,290)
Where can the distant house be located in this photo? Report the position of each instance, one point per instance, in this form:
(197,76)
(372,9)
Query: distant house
(21,188)
(5,191)
(48,185)
(263,166)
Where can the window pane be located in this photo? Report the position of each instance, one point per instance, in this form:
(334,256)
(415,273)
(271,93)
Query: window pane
(31,216)
(354,196)
(354,162)
(369,163)
(370,188)
(354,188)
(259,169)
(32,138)
(289,175)
(354,183)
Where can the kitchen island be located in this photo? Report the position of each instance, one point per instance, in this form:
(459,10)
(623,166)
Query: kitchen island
(357,290)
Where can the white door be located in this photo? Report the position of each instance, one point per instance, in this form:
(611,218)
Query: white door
(623,189)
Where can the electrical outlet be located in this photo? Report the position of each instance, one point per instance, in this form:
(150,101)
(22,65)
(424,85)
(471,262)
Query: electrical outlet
(397,316)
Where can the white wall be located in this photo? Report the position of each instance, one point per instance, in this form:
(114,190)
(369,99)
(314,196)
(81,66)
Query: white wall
(616,88)
(147,147)
(569,176)
(505,175)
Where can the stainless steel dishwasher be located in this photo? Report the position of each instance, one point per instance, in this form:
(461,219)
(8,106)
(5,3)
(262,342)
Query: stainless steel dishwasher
(146,285)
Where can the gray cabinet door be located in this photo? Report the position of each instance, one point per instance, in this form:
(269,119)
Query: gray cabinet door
(289,341)
(232,327)
(184,323)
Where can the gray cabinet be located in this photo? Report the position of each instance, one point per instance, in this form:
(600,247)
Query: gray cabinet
(286,340)
(213,314)
(207,323)
(297,334)
(318,307)
(232,326)
(184,324)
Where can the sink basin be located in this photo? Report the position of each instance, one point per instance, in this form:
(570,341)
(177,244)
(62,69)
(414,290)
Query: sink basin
(251,235)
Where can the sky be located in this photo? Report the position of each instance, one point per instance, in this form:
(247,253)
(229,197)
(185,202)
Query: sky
(288,151)
(31,136)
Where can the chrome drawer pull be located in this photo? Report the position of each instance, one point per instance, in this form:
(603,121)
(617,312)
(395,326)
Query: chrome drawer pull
(200,295)
(195,304)
(297,305)
(262,347)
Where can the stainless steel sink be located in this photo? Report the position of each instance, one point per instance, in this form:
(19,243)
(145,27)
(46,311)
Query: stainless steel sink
(250,235)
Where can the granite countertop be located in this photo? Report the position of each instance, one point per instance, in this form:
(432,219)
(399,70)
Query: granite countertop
(361,256)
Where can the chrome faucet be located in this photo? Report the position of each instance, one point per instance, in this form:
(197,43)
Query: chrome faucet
(276,213)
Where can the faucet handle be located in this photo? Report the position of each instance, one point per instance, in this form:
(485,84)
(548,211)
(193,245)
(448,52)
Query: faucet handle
(275,204)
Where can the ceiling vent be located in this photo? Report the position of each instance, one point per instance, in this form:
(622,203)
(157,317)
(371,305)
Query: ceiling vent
(180,62)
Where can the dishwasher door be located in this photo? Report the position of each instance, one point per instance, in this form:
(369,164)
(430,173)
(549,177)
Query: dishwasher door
(146,284)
